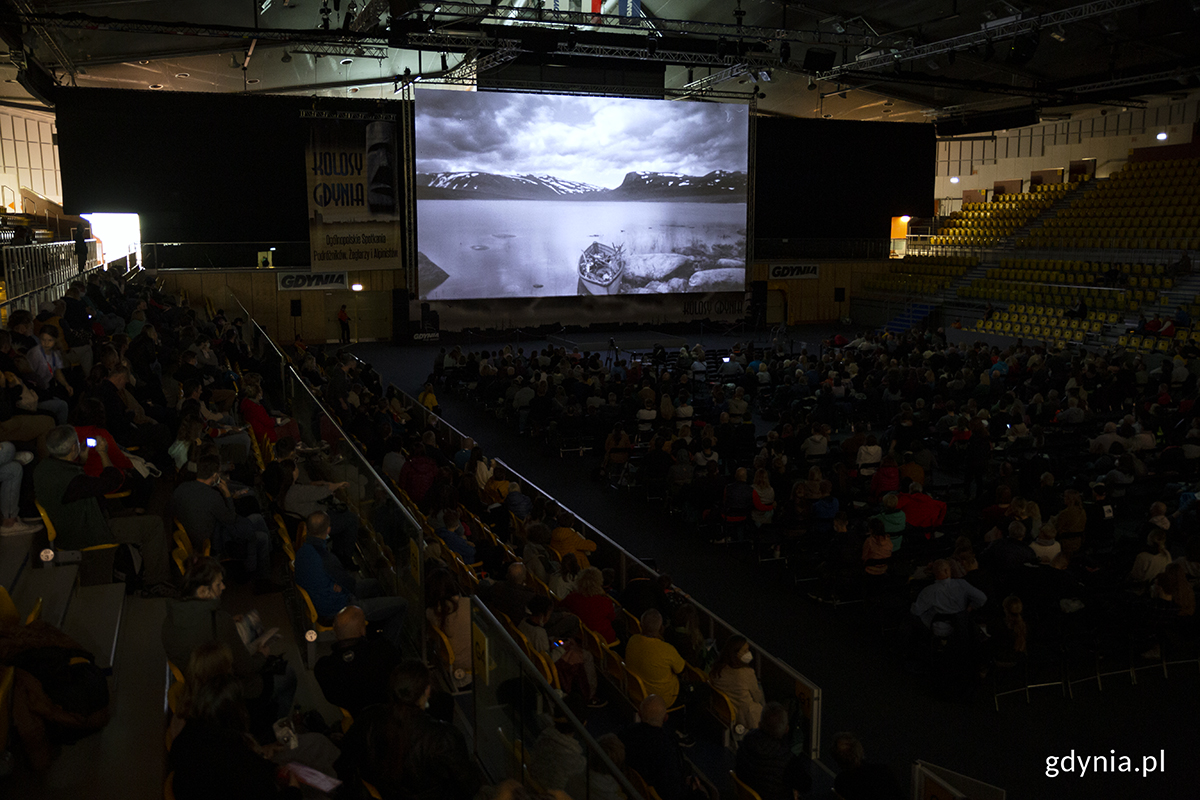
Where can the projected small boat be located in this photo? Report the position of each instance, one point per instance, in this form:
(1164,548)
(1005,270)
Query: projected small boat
(600,268)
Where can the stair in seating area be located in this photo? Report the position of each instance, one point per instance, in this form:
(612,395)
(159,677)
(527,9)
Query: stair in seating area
(90,614)
(1066,201)
(908,318)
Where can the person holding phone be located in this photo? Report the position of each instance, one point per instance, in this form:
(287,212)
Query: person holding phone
(72,501)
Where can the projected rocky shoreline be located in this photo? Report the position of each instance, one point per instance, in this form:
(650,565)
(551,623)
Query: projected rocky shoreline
(521,196)
(654,233)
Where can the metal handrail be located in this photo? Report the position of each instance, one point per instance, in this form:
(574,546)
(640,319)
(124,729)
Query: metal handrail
(530,672)
(534,675)
(626,558)
(285,360)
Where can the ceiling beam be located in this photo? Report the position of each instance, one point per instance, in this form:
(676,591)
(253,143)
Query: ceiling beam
(988,34)
(515,16)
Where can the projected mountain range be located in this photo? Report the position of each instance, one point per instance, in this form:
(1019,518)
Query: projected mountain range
(716,186)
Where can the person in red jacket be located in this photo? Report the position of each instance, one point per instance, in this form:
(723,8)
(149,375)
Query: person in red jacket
(417,474)
(886,478)
(920,510)
(594,608)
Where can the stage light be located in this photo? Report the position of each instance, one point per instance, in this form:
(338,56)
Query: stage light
(347,61)
(651,44)
(905,219)
(572,38)
(812,85)
(287,57)
(785,52)
(356,287)
(954,179)
(1162,137)
(445,64)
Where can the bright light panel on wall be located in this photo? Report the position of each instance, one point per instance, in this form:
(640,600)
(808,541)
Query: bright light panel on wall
(1162,137)
(954,179)
(905,219)
(356,287)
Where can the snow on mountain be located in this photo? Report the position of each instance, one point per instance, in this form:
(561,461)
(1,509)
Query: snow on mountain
(640,185)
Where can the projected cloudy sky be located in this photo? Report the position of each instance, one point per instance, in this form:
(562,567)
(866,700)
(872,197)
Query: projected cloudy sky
(595,140)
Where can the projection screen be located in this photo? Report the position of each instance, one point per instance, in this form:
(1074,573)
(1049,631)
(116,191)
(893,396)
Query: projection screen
(552,196)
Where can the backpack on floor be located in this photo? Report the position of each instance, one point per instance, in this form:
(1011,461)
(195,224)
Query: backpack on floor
(127,568)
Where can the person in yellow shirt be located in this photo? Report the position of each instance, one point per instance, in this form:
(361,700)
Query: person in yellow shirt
(565,539)
(656,662)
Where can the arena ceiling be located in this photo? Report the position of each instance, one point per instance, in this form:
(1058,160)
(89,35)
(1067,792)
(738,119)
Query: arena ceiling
(909,60)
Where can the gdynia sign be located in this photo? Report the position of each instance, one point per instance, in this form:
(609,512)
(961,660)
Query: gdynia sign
(783,272)
(311,280)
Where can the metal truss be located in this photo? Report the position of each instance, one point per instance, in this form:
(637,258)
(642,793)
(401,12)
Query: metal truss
(532,87)
(1136,80)
(665,56)
(369,16)
(51,20)
(313,113)
(334,49)
(446,13)
(46,36)
(989,33)
(1069,94)
(613,22)
(706,86)
(440,40)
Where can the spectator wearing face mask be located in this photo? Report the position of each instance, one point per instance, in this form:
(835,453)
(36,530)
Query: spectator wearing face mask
(734,677)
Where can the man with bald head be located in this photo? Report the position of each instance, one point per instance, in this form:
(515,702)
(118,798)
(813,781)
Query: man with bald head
(654,751)
(355,675)
(656,662)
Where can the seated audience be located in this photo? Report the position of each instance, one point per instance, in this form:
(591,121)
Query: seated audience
(402,751)
(331,587)
(592,605)
(557,756)
(447,610)
(355,675)
(733,676)
(859,779)
(204,507)
(657,663)
(197,618)
(765,761)
(72,502)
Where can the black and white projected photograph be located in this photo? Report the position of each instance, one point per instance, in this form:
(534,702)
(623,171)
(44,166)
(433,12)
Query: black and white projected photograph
(552,196)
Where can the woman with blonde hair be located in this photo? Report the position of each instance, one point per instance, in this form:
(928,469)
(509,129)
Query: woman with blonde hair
(764,499)
(594,608)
